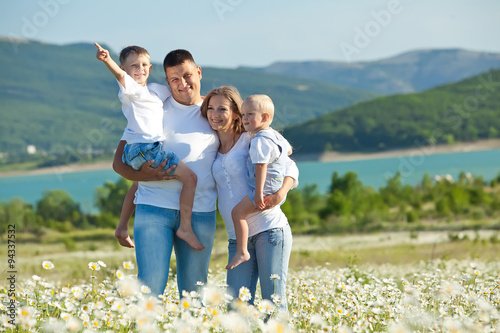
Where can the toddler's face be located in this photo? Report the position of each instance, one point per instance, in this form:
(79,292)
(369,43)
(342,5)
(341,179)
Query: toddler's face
(253,117)
(138,67)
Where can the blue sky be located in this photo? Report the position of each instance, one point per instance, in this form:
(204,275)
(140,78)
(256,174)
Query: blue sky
(231,33)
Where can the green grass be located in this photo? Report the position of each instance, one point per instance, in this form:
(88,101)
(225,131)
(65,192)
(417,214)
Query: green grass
(398,254)
(71,252)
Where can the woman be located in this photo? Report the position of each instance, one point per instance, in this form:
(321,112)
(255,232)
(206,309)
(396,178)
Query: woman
(270,237)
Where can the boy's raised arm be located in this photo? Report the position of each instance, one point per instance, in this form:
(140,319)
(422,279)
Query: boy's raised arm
(103,55)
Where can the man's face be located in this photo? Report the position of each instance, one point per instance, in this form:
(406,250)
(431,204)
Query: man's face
(185,82)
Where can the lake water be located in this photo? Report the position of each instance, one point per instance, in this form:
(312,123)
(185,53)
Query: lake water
(374,172)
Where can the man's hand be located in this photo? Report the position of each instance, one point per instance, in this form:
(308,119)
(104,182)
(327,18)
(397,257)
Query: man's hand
(102,54)
(150,173)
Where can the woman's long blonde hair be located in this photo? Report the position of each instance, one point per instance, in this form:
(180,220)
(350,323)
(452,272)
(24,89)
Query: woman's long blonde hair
(234,98)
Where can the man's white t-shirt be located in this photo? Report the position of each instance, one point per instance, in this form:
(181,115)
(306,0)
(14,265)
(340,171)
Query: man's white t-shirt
(143,108)
(188,134)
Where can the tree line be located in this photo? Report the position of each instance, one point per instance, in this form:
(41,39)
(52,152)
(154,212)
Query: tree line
(434,203)
(348,206)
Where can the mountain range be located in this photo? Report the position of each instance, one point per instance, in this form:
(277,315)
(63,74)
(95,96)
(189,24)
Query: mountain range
(405,73)
(61,100)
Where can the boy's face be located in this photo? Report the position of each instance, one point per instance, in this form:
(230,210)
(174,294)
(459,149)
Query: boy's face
(185,82)
(138,67)
(254,119)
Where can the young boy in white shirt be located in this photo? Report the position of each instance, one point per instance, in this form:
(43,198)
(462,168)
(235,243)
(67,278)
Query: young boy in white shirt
(266,165)
(142,105)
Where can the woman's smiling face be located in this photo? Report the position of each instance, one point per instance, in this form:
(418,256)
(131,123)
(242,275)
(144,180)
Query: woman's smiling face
(220,115)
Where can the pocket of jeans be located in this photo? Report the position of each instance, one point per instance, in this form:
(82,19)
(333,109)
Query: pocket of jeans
(137,161)
(275,236)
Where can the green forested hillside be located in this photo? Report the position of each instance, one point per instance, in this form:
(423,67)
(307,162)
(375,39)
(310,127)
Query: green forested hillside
(464,111)
(64,101)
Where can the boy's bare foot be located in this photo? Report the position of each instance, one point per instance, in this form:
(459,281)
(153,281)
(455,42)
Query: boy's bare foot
(124,238)
(189,237)
(237,259)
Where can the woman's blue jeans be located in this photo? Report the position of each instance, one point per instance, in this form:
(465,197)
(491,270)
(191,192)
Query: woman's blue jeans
(154,237)
(269,254)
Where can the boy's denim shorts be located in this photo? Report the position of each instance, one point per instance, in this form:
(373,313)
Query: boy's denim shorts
(136,154)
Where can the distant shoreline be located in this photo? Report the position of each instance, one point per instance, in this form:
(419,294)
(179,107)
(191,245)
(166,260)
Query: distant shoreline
(461,147)
(325,157)
(62,169)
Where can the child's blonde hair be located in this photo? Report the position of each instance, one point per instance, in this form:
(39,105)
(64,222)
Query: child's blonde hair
(263,103)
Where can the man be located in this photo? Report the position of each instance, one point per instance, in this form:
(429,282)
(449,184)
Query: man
(157,202)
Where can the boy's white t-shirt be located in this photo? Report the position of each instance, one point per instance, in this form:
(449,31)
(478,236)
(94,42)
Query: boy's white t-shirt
(143,108)
(188,134)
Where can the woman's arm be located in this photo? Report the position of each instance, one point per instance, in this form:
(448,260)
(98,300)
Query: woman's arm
(145,173)
(274,199)
(290,182)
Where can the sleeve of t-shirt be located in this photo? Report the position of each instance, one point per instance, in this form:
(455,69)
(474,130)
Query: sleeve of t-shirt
(287,147)
(292,171)
(262,150)
(159,90)
(131,88)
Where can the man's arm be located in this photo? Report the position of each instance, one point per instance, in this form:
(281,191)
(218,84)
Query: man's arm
(145,173)
(103,55)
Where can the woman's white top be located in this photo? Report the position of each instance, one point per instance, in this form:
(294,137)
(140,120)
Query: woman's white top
(230,173)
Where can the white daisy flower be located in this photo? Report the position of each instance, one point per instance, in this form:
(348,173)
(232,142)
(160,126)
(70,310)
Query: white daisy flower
(244,294)
(47,264)
(128,265)
(94,266)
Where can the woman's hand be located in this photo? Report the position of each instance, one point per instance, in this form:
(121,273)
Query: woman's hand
(275,199)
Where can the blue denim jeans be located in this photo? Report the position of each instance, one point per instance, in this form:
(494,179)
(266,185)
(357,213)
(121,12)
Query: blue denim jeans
(154,237)
(137,154)
(269,254)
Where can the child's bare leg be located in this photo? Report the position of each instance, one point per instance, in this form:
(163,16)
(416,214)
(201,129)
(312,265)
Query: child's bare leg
(128,207)
(185,230)
(239,214)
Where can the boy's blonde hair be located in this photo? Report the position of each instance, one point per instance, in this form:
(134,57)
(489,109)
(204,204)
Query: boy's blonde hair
(133,49)
(262,103)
